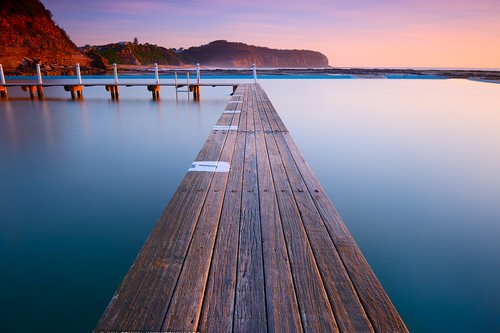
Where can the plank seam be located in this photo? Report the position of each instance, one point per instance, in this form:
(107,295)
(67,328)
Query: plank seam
(322,273)
(260,223)
(283,232)
(287,241)
(326,224)
(275,115)
(217,236)
(191,239)
(241,212)
(323,288)
(340,256)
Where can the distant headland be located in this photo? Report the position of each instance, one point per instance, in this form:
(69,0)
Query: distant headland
(220,53)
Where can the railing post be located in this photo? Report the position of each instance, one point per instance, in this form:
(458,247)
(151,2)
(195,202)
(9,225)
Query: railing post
(2,77)
(198,73)
(176,86)
(39,73)
(78,74)
(157,78)
(254,73)
(116,73)
(3,89)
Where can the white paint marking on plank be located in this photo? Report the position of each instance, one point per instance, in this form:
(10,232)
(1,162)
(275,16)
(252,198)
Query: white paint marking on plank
(235,101)
(209,166)
(231,111)
(225,128)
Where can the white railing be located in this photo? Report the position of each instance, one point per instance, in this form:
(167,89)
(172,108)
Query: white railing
(78,74)
(2,77)
(191,87)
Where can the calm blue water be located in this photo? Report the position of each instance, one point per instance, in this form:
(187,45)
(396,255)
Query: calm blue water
(412,166)
(414,169)
(82,185)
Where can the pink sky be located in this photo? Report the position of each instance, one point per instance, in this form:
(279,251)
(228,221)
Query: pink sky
(351,33)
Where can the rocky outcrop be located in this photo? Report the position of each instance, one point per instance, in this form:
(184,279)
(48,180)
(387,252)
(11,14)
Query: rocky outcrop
(228,54)
(30,36)
(128,53)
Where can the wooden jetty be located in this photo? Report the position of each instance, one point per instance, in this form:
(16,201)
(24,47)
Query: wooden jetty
(35,89)
(250,242)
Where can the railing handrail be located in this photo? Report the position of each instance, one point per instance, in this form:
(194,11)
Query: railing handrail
(198,69)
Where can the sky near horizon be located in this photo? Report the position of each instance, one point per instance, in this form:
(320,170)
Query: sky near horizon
(351,33)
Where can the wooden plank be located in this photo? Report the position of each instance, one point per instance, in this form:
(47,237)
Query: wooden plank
(250,119)
(225,119)
(236,99)
(344,300)
(381,312)
(218,304)
(266,126)
(271,120)
(250,309)
(274,118)
(185,306)
(142,299)
(316,312)
(242,127)
(282,307)
(269,123)
(272,111)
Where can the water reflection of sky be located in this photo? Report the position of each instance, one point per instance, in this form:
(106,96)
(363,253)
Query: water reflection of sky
(412,166)
(82,184)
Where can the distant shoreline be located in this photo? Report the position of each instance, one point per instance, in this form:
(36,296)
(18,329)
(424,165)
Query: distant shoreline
(476,74)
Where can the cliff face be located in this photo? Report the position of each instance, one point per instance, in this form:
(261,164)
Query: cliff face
(227,54)
(29,36)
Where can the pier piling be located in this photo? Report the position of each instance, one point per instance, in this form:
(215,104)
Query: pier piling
(195,89)
(155,91)
(34,89)
(76,91)
(113,89)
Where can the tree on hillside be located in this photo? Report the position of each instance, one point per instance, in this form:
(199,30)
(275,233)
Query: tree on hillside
(136,41)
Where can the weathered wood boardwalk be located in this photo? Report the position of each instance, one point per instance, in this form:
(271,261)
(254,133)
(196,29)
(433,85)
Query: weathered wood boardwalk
(253,248)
